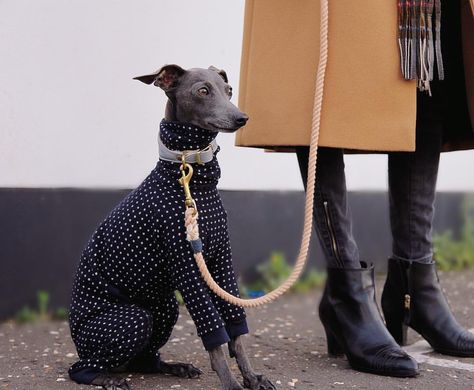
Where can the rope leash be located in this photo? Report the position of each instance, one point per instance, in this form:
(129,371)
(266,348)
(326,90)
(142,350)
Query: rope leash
(191,213)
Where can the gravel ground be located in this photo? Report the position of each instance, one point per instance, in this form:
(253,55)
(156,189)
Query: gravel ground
(287,344)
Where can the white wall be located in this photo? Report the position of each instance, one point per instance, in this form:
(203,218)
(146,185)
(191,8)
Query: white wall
(71,115)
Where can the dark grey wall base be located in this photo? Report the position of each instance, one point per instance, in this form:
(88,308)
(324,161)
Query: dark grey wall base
(43,231)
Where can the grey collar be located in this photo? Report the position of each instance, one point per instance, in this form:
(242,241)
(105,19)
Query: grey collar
(200,156)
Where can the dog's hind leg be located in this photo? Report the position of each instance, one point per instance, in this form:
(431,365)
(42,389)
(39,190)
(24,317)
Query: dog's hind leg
(182,370)
(109,382)
(109,340)
(152,364)
(252,380)
(165,314)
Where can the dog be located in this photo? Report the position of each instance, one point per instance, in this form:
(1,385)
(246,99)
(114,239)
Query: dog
(123,306)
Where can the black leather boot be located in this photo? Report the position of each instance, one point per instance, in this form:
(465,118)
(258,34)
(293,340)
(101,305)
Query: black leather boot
(412,297)
(354,326)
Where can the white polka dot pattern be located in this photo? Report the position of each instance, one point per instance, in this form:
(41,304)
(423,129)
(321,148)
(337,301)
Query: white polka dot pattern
(123,300)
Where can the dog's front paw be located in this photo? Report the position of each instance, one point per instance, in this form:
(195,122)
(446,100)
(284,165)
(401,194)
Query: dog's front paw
(233,386)
(111,383)
(258,382)
(181,370)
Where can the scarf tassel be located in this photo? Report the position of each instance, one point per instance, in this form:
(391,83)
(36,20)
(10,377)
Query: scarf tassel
(417,43)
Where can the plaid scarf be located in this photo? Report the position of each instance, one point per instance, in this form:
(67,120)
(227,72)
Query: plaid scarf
(417,42)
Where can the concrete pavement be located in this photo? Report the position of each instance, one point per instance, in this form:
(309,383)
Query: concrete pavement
(287,344)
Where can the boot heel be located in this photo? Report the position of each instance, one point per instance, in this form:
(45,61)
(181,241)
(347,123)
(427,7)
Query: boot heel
(397,329)
(334,347)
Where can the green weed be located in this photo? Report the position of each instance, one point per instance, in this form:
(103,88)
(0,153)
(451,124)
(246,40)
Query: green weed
(457,253)
(179,297)
(42,312)
(275,271)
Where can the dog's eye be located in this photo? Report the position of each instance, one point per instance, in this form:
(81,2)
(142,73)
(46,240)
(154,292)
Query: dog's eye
(229,92)
(203,91)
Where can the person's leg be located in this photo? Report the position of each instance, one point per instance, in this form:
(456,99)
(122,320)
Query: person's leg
(348,309)
(412,295)
(412,188)
(332,214)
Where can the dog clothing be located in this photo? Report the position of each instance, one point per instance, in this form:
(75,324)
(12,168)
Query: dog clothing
(123,306)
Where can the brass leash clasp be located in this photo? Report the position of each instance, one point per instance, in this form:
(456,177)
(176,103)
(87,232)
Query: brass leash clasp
(185,180)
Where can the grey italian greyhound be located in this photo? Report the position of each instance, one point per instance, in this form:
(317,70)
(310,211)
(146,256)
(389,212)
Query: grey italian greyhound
(198,108)
(202,97)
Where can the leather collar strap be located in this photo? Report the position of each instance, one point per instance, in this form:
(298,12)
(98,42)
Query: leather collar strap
(200,156)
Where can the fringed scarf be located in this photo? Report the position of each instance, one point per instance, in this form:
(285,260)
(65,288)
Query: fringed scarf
(417,41)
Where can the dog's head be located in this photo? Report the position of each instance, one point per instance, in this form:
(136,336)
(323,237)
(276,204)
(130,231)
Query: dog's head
(199,96)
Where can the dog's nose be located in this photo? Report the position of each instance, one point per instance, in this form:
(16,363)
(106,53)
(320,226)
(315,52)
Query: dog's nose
(241,120)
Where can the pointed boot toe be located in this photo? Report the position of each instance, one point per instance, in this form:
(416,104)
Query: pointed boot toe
(388,360)
(463,347)
(398,363)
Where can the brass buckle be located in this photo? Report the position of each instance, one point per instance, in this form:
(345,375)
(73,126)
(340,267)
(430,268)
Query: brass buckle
(185,180)
(198,157)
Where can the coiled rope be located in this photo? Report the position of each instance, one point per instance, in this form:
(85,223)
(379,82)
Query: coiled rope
(191,214)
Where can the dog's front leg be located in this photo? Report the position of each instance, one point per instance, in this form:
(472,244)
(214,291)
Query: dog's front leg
(252,380)
(220,366)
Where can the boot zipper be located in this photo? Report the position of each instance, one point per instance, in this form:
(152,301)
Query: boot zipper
(407,301)
(407,306)
(335,249)
(407,297)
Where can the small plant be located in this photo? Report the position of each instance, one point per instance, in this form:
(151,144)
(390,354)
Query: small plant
(61,314)
(275,271)
(42,311)
(25,315)
(310,280)
(43,302)
(179,297)
(456,254)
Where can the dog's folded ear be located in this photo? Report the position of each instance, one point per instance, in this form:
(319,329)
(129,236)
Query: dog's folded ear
(221,72)
(166,78)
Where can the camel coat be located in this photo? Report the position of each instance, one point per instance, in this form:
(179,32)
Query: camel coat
(367,105)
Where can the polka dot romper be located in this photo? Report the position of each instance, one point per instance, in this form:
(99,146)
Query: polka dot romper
(123,307)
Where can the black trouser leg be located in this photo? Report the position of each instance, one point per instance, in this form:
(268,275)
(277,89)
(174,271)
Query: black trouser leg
(332,214)
(412,189)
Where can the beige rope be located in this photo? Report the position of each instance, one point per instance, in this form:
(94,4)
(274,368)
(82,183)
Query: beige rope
(191,212)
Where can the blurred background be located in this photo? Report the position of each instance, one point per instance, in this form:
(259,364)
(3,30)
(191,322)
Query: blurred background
(77,134)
